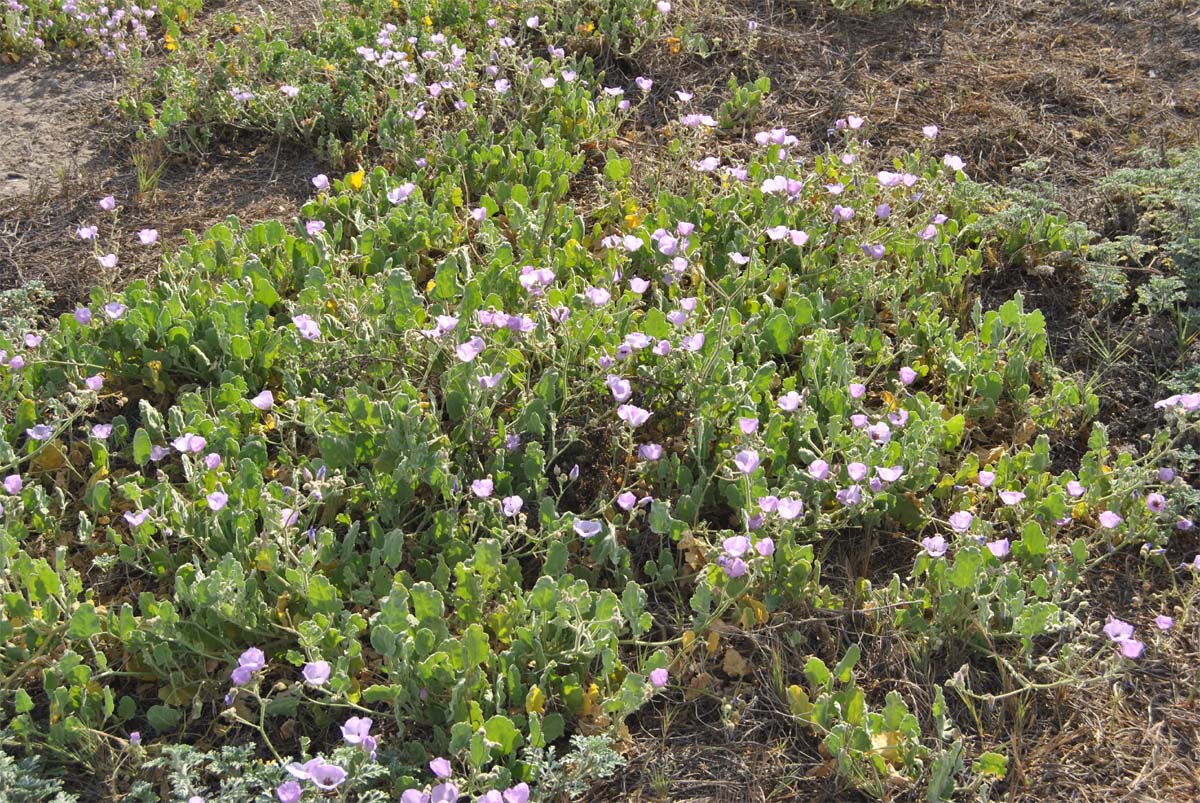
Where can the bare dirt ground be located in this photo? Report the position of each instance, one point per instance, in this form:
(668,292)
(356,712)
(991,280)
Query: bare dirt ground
(67,149)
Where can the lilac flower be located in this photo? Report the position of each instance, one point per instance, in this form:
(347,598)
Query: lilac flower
(264,400)
(842,214)
(790,401)
(482,488)
(102,431)
(999,548)
(790,508)
(626,500)
(217,500)
(39,432)
(479,214)
(765,547)
(303,771)
(512,442)
(930,131)
(747,461)
(1118,630)
(253,659)
(16,363)
(1164,622)
(650,451)
(158,453)
(856,471)
(107,261)
(136,519)
(876,251)
(94,383)
(289,792)
(309,330)
(1109,520)
(135,738)
(818,469)
(1166,474)
(857,389)
(898,418)
(1011,497)
(86,232)
(954,163)
(511,505)
(287,90)
(631,243)
(444,793)
(598,296)
(935,546)
(692,342)
(414,796)
(736,546)
(314,227)
(733,567)
(986,478)
(632,415)
(13,484)
(320,181)
(489,381)
(356,729)
(148,236)
(114,310)
(83,316)
(316,673)
(883,211)
(1156,503)
(240,676)
(108,203)
(471,349)
(738,259)
(889,473)
(849,497)
(1184,525)
(768,504)
(928,233)
(907,375)
(327,776)
(748,426)
(960,522)
(585,528)
(440,767)
(879,433)
(1132,648)
(1075,488)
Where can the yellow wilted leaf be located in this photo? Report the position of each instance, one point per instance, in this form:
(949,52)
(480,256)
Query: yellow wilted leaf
(169,42)
(429,287)
(798,702)
(99,475)
(332,306)
(356,179)
(689,638)
(1106,469)
(888,399)
(589,699)
(428,22)
(734,664)
(1079,511)
(673,44)
(535,701)
(760,610)
(887,746)
(49,458)
(714,642)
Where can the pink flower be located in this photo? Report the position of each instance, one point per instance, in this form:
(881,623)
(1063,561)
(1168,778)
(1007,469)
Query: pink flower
(586,529)
(960,522)
(748,425)
(659,677)
(1132,648)
(999,548)
(470,350)
(1164,622)
(482,488)
(148,236)
(440,767)
(907,375)
(954,163)
(320,181)
(1109,520)
(985,479)
(1118,630)
(1011,497)
(108,203)
(818,469)
(263,401)
(107,261)
(930,131)
(217,500)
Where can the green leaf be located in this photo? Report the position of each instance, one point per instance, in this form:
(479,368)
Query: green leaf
(501,731)
(994,764)
(163,717)
(141,447)
(846,665)
(817,673)
(84,623)
(23,702)
(1034,539)
(476,649)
